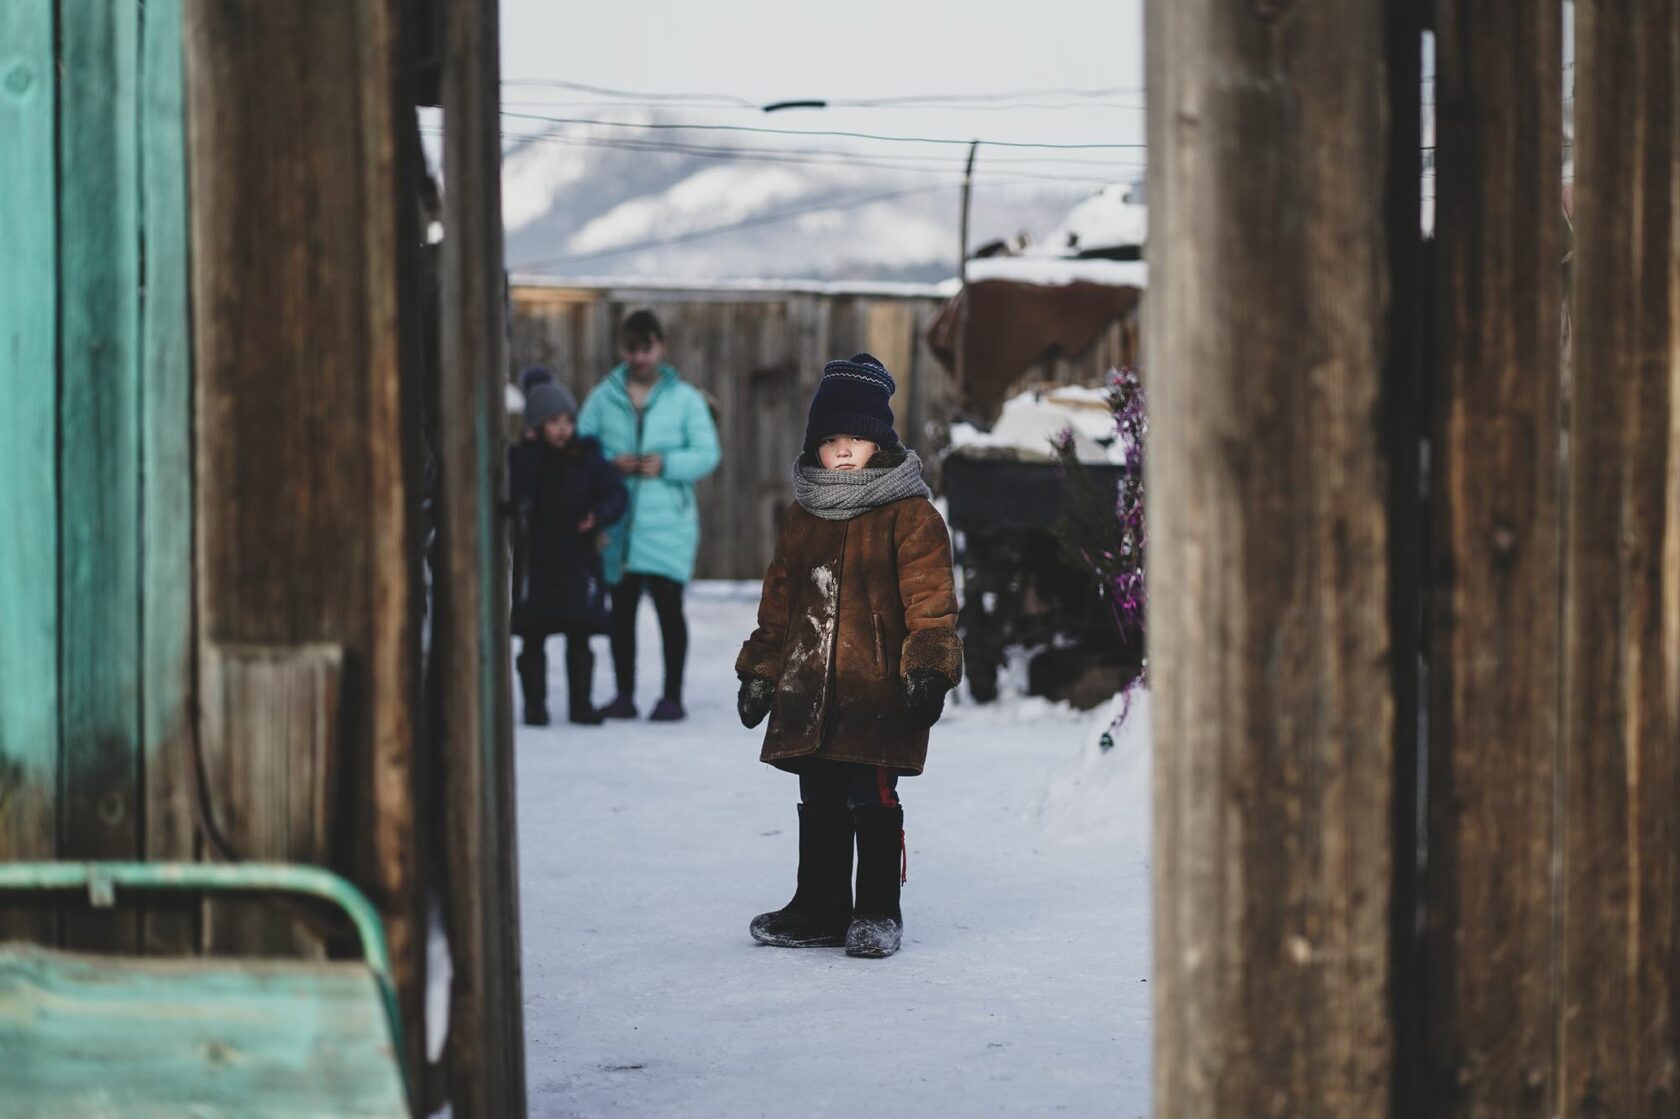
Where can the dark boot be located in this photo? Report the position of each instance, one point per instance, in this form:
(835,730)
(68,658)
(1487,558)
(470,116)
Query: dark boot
(533,680)
(877,923)
(580,678)
(821,908)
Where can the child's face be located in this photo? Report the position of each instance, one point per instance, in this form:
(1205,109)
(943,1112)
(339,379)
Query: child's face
(643,357)
(557,431)
(845,452)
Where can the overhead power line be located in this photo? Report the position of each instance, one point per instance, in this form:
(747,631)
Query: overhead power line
(661,126)
(924,99)
(633,103)
(821,158)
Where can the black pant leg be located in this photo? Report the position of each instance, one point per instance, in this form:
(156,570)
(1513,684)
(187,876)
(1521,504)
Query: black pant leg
(824,783)
(580,671)
(532,663)
(673,631)
(871,786)
(626,596)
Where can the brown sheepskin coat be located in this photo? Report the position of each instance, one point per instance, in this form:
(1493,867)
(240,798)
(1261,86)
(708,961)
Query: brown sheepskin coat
(851,608)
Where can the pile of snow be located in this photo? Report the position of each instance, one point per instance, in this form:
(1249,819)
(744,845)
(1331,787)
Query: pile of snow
(1032,422)
(1059,271)
(1103,794)
(1115,217)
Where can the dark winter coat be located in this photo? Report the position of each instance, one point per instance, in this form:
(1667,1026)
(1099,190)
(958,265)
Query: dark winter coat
(850,608)
(559,583)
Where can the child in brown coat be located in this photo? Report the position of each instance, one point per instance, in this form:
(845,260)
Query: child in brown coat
(855,649)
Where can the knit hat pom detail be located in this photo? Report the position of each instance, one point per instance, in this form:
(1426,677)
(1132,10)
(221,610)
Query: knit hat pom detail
(862,367)
(852,400)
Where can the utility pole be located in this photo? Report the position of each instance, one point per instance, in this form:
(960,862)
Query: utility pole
(962,272)
(967,194)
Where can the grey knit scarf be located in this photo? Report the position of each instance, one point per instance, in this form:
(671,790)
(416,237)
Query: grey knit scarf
(840,495)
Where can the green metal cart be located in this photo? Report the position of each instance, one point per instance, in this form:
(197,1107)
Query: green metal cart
(197,1037)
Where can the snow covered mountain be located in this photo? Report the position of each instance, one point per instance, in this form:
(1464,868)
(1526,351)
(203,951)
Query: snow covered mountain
(586,200)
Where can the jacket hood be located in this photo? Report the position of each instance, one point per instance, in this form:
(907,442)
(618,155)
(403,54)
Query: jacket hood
(620,375)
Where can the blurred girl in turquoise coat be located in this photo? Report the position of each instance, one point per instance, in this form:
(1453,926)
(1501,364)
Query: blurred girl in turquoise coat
(657,429)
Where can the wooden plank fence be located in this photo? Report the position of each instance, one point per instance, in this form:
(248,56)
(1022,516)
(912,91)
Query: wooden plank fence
(212,574)
(1619,1051)
(1495,652)
(759,352)
(95,707)
(1269,619)
(1544,488)
(29,367)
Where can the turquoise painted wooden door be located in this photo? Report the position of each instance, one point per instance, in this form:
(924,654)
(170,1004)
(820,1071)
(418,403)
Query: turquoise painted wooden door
(95,483)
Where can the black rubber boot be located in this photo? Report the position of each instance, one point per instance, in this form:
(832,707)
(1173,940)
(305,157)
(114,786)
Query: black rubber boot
(580,678)
(821,909)
(533,681)
(877,926)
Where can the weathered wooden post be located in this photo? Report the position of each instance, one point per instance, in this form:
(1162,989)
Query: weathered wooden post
(1269,624)
(486,1058)
(303,241)
(1620,1028)
(1494,633)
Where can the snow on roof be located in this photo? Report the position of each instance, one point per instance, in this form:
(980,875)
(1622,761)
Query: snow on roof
(882,288)
(1113,217)
(1055,271)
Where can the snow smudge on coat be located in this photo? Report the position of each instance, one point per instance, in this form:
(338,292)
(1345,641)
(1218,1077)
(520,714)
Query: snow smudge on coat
(802,656)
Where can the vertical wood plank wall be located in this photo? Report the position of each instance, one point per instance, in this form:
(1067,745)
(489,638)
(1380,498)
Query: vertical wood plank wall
(29,620)
(1620,1010)
(99,450)
(304,508)
(1493,731)
(1552,887)
(1269,636)
(760,354)
(166,584)
(95,577)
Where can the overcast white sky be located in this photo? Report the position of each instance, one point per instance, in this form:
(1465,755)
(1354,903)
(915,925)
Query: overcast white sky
(763,51)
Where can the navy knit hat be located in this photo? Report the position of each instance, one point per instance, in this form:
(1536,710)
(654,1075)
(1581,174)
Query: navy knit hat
(546,400)
(534,375)
(852,400)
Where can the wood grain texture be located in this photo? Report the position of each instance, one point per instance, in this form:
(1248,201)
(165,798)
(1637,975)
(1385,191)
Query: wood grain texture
(392,235)
(1620,1022)
(29,636)
(304,504)
(271,729)
(92,1037)
(165,472)
(1494,667)
(485,1055)
(1268,625)
(99,449)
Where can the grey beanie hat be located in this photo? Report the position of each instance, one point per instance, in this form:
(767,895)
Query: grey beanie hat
(546,400)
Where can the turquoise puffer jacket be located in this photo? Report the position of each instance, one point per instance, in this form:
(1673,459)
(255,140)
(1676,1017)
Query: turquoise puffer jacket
(661,533)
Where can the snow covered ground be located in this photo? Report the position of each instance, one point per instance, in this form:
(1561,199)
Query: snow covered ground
(1022,987)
